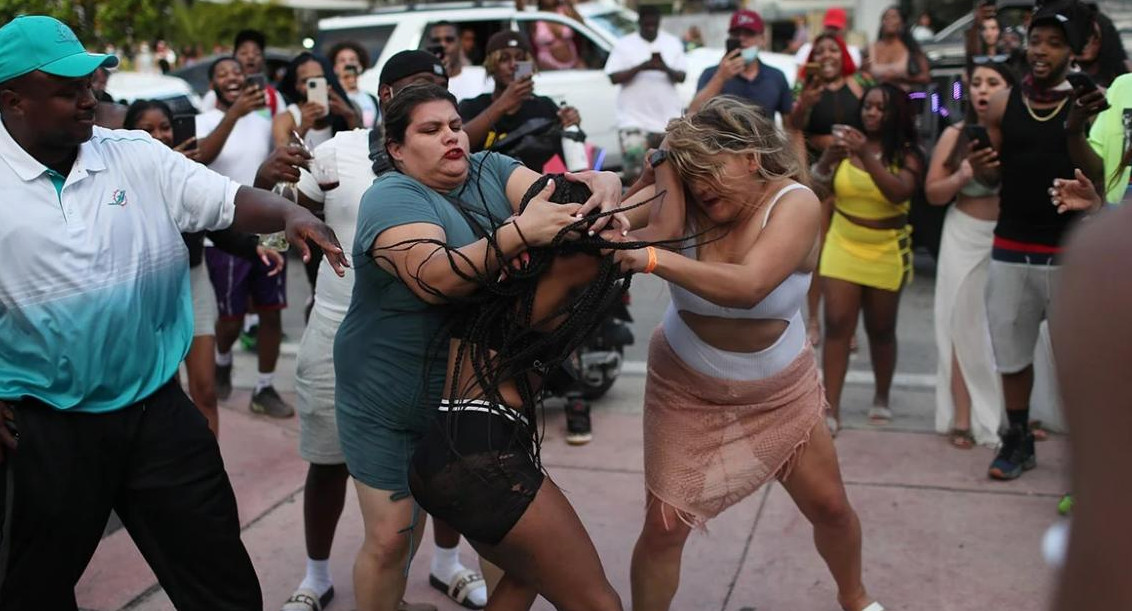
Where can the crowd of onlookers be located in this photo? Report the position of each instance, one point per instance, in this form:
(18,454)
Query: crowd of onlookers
(1035,111)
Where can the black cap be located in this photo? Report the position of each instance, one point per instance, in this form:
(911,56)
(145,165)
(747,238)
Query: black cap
(408,63)
(1073,17)
(507,39)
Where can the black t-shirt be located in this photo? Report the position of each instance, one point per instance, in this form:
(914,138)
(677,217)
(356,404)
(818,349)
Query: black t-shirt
(536,107)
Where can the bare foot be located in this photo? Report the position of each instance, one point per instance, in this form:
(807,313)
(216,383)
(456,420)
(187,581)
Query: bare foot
(853,345)
(813,332)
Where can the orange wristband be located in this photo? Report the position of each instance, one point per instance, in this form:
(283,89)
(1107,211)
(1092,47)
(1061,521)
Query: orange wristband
(651,265)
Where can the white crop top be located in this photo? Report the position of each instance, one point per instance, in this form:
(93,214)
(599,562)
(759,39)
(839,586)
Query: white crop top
(783,303)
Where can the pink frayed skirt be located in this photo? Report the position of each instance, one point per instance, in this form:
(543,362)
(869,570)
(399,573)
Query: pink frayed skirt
(710,443)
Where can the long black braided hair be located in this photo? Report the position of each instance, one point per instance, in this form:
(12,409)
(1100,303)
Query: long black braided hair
(499,335)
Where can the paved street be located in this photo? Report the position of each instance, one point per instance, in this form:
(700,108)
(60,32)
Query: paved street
(938,534)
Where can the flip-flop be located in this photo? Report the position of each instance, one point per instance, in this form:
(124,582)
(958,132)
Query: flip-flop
(461,586)
(879,415)
(306,599)
(961,438)
(875,606)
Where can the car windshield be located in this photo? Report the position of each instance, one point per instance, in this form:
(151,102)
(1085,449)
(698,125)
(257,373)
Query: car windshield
(614,23)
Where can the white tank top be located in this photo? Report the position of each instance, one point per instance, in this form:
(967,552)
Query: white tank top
(783,303)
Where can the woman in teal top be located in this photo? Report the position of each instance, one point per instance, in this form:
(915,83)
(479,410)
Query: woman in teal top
(390,349)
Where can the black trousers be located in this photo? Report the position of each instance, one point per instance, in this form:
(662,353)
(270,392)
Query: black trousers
(158,466)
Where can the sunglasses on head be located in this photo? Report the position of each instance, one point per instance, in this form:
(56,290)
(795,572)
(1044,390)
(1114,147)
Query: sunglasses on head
(981,60)
(443,39)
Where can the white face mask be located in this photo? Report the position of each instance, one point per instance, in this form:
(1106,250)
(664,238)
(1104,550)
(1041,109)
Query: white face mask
(749,54)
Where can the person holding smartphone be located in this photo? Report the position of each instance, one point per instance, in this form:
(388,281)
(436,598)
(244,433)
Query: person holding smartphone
(829,94)
(319,107)
(350,60)
(1037,134)
(741,73)
(234,139)
(511,119)
(969,394)
(647,65)
(867,257)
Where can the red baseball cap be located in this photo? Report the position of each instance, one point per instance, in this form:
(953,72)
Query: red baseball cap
(835,18)
(744,19)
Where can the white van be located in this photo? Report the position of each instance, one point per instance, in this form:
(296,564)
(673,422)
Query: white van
(390,30)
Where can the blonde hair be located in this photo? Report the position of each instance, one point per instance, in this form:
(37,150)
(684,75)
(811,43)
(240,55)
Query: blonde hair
(727,124)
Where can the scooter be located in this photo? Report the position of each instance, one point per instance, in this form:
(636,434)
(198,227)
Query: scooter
(600,358)
(593,368)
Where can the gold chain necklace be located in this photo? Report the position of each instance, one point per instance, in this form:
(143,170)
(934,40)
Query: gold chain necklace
(1056,109)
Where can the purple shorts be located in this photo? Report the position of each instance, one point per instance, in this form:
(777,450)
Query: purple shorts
(242,285)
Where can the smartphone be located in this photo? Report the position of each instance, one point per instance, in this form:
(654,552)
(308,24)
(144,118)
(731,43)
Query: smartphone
(184,127)
(436,50)
(978,135)
(731,45)
(839,130)
(352,69)
(524,69)
(318,93)
(812,68)
(1081,81)
(258,80)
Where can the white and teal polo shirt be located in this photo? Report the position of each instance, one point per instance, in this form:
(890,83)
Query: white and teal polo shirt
(95,311)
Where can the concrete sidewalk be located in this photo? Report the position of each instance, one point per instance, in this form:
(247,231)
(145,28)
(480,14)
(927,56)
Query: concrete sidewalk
(938,534)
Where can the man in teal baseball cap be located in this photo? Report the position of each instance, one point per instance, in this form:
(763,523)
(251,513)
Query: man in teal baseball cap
(95,316)
(35,42)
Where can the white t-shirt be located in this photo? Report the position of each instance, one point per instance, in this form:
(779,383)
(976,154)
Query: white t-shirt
(247,146)
(355,175)
(650,99)
(471,82)
(804,53)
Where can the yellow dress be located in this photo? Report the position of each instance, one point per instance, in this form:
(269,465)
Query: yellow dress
(877,258)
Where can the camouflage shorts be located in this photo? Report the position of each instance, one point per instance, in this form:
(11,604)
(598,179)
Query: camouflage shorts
(635,143)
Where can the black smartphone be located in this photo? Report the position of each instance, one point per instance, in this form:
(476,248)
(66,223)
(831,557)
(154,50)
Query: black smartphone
(184,127)
(437,50)
(258,80)
(1082,82)
(978,135)
(731,45)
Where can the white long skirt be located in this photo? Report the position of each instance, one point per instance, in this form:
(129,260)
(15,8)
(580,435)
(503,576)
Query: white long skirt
(961,325)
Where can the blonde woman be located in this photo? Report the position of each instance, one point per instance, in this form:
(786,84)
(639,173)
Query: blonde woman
(733,399)
(969,394)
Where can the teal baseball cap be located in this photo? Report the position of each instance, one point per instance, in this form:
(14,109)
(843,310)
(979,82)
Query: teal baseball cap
(36,42)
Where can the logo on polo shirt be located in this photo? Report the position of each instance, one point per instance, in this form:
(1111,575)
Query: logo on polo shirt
(118,199)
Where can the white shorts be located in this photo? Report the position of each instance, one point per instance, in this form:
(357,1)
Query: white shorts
(204,301)
(314,389)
